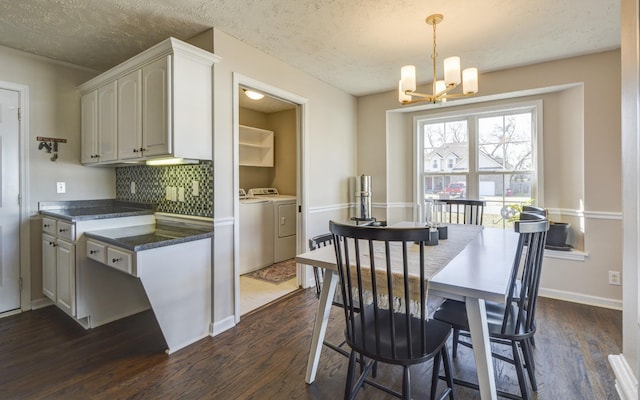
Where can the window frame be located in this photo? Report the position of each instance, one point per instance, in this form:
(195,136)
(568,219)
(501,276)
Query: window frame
(472,175)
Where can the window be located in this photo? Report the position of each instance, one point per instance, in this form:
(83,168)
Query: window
(491,154)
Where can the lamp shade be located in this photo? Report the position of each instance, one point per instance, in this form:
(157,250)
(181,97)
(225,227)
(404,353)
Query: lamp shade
(441,86)
(408,78)
(402,97)
(452,71)
(470,80)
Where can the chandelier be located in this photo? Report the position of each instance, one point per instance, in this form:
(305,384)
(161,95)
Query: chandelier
(441,89)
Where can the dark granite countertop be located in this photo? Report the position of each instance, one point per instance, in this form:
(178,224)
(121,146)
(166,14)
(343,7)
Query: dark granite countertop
(84,210)
(145,237)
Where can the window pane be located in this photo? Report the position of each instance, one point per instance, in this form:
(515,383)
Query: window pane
(446,147)
(445,186)
(505,142)
(504,195)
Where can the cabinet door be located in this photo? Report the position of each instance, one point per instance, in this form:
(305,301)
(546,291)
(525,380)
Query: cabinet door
(49,266)
(130,115)
(89,127)
(107,122)
(66,276)
(156,97)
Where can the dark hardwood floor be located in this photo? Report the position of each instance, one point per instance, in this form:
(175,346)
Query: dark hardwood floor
(45,355)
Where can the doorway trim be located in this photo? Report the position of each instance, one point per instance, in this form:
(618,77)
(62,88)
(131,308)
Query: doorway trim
(24,235)
(304,274)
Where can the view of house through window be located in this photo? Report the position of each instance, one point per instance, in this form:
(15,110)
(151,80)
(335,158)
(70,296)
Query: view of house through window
(487,155)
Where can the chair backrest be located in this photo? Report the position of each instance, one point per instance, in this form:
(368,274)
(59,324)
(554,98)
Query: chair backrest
(519,318)
(316,242)
(320,241)
(377,300)
(463,211)
(534,210)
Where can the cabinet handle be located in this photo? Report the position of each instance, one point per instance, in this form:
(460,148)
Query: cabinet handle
(115,260)
(142,149)
(52,244)
(135,150)
(93,251)
(62,229)
(46,225)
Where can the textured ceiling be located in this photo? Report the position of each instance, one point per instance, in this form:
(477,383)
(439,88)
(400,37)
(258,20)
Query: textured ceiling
(355,45)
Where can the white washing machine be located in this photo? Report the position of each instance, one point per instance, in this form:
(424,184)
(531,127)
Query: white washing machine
(284,222)
(256,233)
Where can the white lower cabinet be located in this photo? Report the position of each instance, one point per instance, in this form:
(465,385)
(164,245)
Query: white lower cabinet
(91,294)
(49,266)
(66,276)
(59,266)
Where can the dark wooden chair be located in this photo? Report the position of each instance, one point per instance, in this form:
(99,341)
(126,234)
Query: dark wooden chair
(316,242)
(463,211)
(384,323)
(512,323)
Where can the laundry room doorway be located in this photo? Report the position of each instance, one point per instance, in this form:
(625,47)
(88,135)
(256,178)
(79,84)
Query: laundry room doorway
(268,150)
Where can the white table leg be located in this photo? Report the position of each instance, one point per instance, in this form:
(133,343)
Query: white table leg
(477,316)
(330,281)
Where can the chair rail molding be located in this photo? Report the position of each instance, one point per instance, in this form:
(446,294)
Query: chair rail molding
(626,382)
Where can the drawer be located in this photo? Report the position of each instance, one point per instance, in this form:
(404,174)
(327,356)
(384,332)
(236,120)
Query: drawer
(49,226)
(119,260)
(97,251)
(66,230)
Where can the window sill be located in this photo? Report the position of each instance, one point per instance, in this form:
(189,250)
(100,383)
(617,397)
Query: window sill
(573,255)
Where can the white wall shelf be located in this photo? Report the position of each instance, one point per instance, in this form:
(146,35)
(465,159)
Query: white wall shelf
(255,147)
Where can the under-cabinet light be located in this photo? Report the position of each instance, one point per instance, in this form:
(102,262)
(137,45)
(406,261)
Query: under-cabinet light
(171,161)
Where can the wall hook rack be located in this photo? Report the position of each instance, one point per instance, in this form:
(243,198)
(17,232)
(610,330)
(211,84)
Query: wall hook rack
(50,145)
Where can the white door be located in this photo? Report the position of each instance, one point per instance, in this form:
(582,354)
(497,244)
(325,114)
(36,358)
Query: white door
(9,206)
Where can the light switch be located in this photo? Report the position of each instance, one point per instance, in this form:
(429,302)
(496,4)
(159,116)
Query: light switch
(167,194)
(133,187)
(181,194)
(61,187)
(195,188)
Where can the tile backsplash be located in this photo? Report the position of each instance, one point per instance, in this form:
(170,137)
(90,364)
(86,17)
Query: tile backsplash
(151,183)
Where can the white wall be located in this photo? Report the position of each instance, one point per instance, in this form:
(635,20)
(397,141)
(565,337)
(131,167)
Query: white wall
(330,128)
(581,162)
(54,111)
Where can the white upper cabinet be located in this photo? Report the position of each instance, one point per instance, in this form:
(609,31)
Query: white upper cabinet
(163,107)
(156,126)
(130,115)
(99,119)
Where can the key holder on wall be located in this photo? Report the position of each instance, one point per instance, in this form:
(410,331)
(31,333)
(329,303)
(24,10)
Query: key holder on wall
(50,145)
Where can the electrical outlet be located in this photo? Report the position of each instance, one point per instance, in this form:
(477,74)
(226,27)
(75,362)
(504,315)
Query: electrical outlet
(61,187)
(167,193)
(614,278)
(181,194)
(195,188)
(133,187)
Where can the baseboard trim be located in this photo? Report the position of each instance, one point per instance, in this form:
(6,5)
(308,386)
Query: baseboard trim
(217,328)
(626,382)
(581,298)
(40,303)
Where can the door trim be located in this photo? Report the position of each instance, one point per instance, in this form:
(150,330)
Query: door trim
(304,275)
(25,231)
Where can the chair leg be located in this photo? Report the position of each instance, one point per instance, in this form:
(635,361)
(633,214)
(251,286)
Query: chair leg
(454,347)
(406,384)
(448,373)
(349,393)
(529,363)
(434,375)
(524,388)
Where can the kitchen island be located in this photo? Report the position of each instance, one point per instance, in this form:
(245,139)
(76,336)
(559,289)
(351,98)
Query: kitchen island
(128,259)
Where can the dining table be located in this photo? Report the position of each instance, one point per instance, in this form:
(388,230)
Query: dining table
(473,270)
